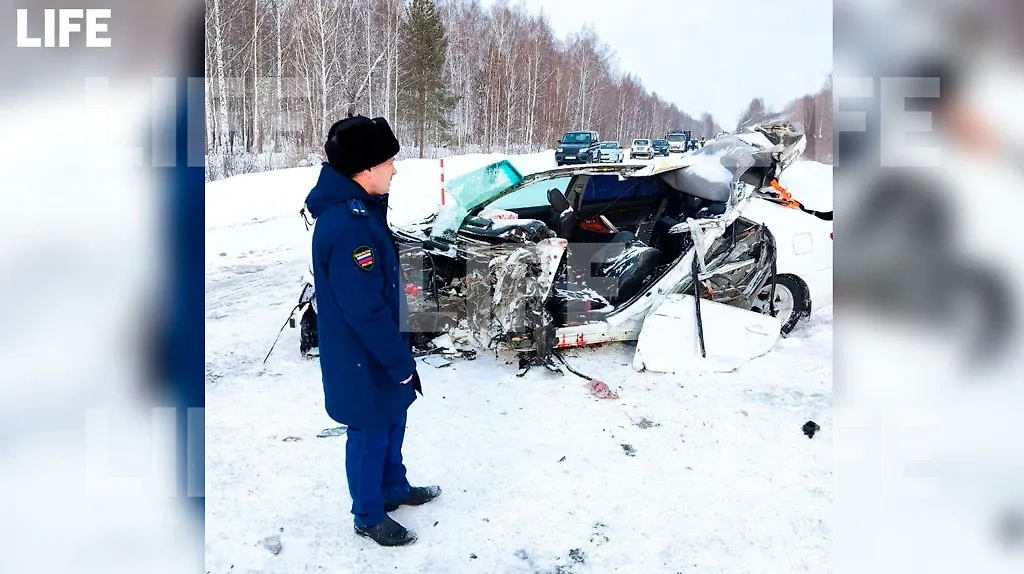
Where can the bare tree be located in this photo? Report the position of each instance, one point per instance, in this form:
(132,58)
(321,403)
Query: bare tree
(518,87)
(218,35)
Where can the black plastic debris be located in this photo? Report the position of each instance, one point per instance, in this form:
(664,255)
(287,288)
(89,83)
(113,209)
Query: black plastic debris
(291,439)
(561,459)
(472,556)
(629,450)
(577,556)
(811,427)
(436,361)
(338,431)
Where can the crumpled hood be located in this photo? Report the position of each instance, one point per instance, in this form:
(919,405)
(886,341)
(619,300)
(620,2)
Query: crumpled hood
(332,188)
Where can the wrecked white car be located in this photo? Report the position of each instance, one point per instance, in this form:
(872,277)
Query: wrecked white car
(581,255)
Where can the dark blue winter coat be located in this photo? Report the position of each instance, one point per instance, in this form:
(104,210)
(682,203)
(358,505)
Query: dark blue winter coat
(362,318)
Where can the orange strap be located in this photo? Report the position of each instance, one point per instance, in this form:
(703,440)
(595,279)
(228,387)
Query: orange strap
(787,197)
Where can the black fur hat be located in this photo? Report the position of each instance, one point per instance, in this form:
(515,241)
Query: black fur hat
(358,143)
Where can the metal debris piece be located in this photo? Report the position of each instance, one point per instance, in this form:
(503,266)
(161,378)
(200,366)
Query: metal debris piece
(338,431)
(272,543)
(436,361)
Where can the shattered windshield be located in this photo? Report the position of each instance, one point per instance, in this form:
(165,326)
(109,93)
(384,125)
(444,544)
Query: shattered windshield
(471,190)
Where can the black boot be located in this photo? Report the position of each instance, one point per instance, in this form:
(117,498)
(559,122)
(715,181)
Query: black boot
(388,533)
(417,495)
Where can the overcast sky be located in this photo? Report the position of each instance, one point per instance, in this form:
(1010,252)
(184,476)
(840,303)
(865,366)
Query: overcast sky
(709,55)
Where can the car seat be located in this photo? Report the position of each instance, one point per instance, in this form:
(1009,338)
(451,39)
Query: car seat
(629,262)
(565,216)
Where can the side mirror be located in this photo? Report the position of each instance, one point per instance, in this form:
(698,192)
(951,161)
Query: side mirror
(559,142)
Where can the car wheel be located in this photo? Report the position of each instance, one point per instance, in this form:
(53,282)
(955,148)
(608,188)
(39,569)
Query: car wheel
(792,301)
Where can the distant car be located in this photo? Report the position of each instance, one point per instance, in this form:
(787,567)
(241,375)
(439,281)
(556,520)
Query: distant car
(641,149)
(578,147)
(611,152)
(660,147)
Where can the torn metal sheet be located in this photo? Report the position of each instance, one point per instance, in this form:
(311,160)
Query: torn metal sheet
(668,342)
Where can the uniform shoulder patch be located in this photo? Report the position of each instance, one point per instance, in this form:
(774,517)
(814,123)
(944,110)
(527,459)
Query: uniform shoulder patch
(357,207)
(363,256)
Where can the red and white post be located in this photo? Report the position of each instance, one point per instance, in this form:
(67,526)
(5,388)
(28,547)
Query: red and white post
(442,181)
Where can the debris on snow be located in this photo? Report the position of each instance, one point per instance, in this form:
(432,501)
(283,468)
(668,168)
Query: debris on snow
(472,556)
(443,342)
(578,556)
(338,431)
(436,361)
(600,390)
(291,439)
(449,344)
(272,543)
(811,427)
(629,450)
(646,423)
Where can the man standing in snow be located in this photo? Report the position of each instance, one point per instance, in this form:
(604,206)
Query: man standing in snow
(369,374)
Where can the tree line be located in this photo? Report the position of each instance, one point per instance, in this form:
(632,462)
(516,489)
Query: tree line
(450,75)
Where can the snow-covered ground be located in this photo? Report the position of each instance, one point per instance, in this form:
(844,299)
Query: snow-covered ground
(681,474)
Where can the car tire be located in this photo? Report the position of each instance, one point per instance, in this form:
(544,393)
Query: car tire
(791,294)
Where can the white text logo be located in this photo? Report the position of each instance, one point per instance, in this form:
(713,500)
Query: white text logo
(63,23)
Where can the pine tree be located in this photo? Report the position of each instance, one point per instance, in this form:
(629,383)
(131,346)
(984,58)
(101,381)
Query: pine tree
(424,99)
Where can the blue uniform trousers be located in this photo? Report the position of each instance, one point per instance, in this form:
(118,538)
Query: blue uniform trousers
(376,475)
